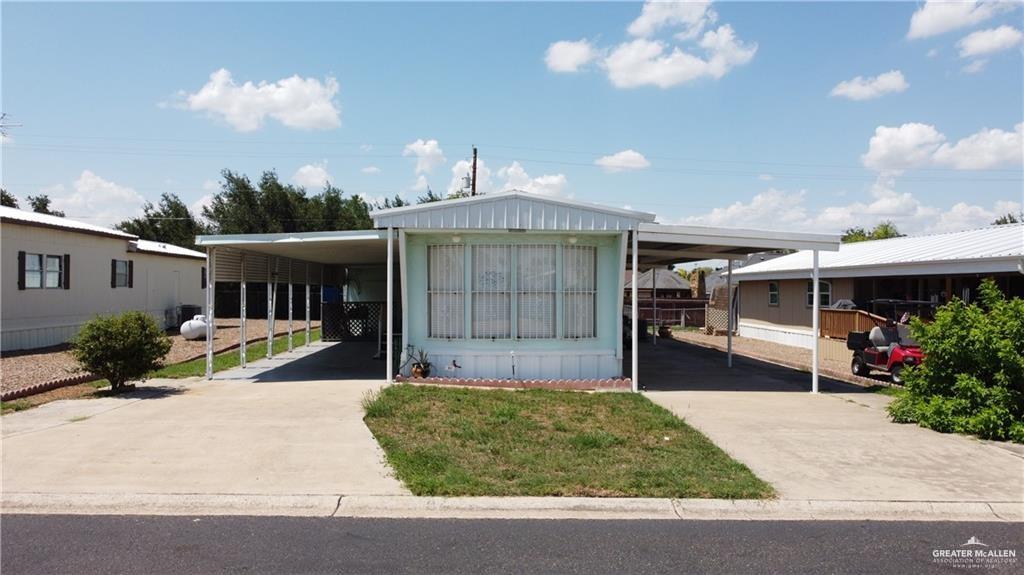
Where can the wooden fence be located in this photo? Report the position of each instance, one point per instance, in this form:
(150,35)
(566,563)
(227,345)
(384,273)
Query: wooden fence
(837,323)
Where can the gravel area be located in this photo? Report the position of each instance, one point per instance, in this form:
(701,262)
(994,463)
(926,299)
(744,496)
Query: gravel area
(24,368)
(792,356)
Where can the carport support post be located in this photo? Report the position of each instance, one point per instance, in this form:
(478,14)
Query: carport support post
(241,317)
(271,317)
(210,281)
(290,266)
(816,310)
(307,303)
(391,305)
(635,357)
(654,292)
(728,314)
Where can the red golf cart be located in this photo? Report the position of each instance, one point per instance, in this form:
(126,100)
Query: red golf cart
(888,346)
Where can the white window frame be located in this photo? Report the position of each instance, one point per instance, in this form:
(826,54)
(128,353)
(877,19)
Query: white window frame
(58,273)
(119,276)
(448,285)
(39,272)
(578,325)
(536,291)
(491,299)
(775,293)
(824,293)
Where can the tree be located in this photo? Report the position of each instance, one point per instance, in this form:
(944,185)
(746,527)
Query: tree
(882,231)
(396,202)
(170,222)
(429,198)
(41,205)
(1009,218)
(7,199)
(121,348)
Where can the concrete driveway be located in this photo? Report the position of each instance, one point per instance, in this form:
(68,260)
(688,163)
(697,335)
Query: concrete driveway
(230,436)
(837,445)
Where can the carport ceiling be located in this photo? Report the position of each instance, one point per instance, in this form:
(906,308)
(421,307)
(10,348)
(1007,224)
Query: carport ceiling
(360,247)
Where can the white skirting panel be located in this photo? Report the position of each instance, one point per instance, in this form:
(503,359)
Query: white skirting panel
(46,336)
(786,335)
(528,365)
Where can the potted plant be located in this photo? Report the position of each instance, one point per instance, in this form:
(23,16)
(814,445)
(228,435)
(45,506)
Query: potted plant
(421,365)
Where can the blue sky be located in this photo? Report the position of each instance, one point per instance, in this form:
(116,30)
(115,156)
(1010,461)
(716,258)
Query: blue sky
(720,114)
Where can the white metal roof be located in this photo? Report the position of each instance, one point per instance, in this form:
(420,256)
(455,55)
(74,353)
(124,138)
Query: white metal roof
(344,247)
(667,244)
(45,220)
(985,250)
(161,248)
(514,209)
(667,279)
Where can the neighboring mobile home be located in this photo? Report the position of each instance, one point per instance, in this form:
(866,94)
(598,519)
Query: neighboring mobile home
(775,295)
(59,273)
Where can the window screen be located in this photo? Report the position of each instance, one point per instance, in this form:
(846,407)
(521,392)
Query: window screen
(824,294)
(579,290)
(535,287)
(121,273)
(773,293)
(33,271)
(492,292)
(53,272)
(446,290)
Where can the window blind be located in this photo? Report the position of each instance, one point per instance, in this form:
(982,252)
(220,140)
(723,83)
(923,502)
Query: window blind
(446,290)
(535,291)
(579,291)
(492,291)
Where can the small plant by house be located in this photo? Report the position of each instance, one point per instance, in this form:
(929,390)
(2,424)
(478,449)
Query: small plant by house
(121,348)
(421,364)
(973,378)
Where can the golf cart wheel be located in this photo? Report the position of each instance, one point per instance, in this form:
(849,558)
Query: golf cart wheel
(896,375)
(858,367)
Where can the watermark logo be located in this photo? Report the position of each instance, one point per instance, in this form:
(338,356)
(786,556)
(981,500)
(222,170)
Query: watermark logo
(975,554)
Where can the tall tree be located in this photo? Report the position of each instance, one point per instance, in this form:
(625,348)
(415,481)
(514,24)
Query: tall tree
(41,205)
(882,231)
(1009,218)
(7,199)
(430,197)
(170,222)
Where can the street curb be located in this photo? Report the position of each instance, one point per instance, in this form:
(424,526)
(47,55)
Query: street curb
(412,507)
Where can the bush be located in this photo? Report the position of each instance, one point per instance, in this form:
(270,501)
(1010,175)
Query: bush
(972,379)
(121,348)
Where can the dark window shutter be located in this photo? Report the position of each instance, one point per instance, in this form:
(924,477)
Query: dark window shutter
(131,273)
(21,270)
(113,273)
(202,279)
(67,271)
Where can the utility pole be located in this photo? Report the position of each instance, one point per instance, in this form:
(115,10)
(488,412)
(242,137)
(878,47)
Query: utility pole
(473,181)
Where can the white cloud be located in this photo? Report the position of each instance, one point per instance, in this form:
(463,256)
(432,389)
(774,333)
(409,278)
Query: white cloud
(312,176)
(96,200)
(303,103)
(861,88)
(766,177)
(645,62)
(484,183)
(933,53)
(983,150)
(420,185)
(691,17)
(510,177)
(197,206)
(370,170)
(569,56)
(915,145)
(623,161)
(428,155)
(974,67)
(940,16)
(985,42)
(898,148)
(210,185)
(366,147)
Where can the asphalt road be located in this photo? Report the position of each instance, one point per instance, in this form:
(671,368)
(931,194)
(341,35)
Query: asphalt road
(142,544)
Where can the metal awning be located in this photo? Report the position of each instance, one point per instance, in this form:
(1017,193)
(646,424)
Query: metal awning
(661,245)
(351,247)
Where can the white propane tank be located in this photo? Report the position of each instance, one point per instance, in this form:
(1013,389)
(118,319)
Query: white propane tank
(194,328)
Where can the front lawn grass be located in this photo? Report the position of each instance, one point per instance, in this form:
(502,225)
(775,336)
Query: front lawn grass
(228,359)
(450,441)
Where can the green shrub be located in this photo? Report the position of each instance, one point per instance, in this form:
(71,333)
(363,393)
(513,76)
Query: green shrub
(972,379)
(121,348)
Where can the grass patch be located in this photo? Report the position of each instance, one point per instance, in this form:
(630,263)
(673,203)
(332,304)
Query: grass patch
(229,359)
(15,405)
(443,441)
(890,390)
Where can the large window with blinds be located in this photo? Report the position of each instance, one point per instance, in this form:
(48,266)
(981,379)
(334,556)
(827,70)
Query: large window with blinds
(579,291)
(535,292)
(446,290)
(492,292)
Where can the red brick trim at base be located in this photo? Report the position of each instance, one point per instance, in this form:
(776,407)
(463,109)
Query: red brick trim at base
(47,386)
(610,384)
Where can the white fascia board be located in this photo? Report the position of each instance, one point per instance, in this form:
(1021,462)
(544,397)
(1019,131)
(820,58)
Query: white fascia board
(499,196)
(759,240)
(256,239)
(961,267)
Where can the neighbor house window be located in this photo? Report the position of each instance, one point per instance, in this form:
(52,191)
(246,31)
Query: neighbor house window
(824,291)
(579,291)
(33,271)
(492,292)
(446,290)
(120,271)
(773,293)
(535,287)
